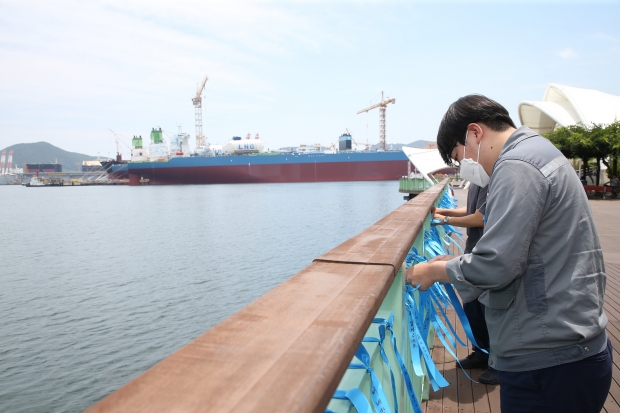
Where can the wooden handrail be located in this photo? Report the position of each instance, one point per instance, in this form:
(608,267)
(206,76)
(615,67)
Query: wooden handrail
(287,350)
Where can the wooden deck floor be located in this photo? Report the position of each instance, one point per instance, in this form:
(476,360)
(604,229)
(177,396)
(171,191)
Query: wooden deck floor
(464,396)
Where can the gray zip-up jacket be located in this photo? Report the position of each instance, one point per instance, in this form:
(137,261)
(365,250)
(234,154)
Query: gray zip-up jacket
(538,267)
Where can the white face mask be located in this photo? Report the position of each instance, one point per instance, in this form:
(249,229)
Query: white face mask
(472,170)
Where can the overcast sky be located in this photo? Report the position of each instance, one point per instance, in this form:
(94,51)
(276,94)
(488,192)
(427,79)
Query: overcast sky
(295,72)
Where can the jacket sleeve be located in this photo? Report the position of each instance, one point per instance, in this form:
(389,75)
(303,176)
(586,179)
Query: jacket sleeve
(517,196)
(481,199)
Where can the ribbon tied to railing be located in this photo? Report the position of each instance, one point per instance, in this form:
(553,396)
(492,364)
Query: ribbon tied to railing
(421,312)
(380,402)
(387,325)
(356,397)
(433,248)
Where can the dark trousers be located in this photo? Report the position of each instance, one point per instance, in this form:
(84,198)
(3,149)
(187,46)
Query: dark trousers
(474,310)
(579,387)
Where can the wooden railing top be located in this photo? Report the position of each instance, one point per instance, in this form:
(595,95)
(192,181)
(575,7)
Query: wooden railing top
(288,350)
(388,241)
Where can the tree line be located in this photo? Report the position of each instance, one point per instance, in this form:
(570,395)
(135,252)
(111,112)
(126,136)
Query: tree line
(600,142)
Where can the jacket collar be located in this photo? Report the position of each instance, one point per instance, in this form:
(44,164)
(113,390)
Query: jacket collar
(519,135)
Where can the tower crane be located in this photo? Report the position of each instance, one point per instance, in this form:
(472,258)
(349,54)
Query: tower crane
(2,159)
(197,101)
(9,162)
(382,106)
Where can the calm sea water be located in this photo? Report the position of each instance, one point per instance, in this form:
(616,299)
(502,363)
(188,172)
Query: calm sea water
(97,284)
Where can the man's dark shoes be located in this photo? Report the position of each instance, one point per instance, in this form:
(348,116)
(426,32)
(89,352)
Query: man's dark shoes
(489,376)
(473,362)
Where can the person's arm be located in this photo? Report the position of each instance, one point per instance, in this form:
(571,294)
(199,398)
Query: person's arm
(462,219)
(427,274)
(475,220)
(458,212)
(513,214)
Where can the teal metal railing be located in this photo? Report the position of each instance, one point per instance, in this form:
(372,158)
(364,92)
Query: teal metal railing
(389,373)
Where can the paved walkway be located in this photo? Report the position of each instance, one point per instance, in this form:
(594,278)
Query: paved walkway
(464,396)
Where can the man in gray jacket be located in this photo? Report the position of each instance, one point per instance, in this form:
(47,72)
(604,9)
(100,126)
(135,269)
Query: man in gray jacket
(538,267)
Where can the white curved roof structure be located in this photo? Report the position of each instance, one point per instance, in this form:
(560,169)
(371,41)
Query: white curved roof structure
(566,105)
(427,161)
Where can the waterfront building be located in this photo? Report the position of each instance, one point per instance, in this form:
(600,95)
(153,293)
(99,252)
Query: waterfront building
(566,105)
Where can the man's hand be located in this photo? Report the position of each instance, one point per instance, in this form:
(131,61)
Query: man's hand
(441,258)
(439,213)
(426,274)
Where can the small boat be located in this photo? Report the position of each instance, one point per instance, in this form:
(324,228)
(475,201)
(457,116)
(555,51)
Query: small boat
(36,181)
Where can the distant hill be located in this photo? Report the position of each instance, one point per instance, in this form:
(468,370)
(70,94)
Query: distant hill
(398,146)
(420,144)
(43,152)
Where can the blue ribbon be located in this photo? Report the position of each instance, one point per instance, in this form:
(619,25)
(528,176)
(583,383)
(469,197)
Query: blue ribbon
(356,397)
(461,315)
(415,327)
(413,258)
(447,238)
(415,404)
(418,327)
(445,317)
(377,394)
(442,333)
(447,201)
(432,242)
(385,360)
(436,296)
(389,326)
(436,222)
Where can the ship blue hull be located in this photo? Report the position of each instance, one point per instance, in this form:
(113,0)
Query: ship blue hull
(316,167)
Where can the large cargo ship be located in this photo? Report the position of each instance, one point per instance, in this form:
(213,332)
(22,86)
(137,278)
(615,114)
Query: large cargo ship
(313,167)
(239,161)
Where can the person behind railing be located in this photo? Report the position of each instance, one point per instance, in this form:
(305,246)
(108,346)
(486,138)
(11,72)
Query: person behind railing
(613,186)
(471,218)
(538,268)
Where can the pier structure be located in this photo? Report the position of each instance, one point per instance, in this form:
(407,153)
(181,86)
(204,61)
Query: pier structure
(290,349)
(412,186)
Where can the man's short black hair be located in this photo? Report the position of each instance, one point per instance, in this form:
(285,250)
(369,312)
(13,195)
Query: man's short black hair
(466,110)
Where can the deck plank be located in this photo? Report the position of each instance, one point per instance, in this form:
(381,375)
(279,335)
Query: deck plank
(611,405)
(466,400)
(481,397)
(451,398)
(493,394)
(435,401)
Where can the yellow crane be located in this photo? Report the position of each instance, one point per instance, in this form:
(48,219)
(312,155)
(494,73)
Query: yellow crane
(382,106)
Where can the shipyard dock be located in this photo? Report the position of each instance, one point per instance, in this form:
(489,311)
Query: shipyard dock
(290,350)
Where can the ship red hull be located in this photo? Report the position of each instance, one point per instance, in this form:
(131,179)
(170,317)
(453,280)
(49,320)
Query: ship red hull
(302,172)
